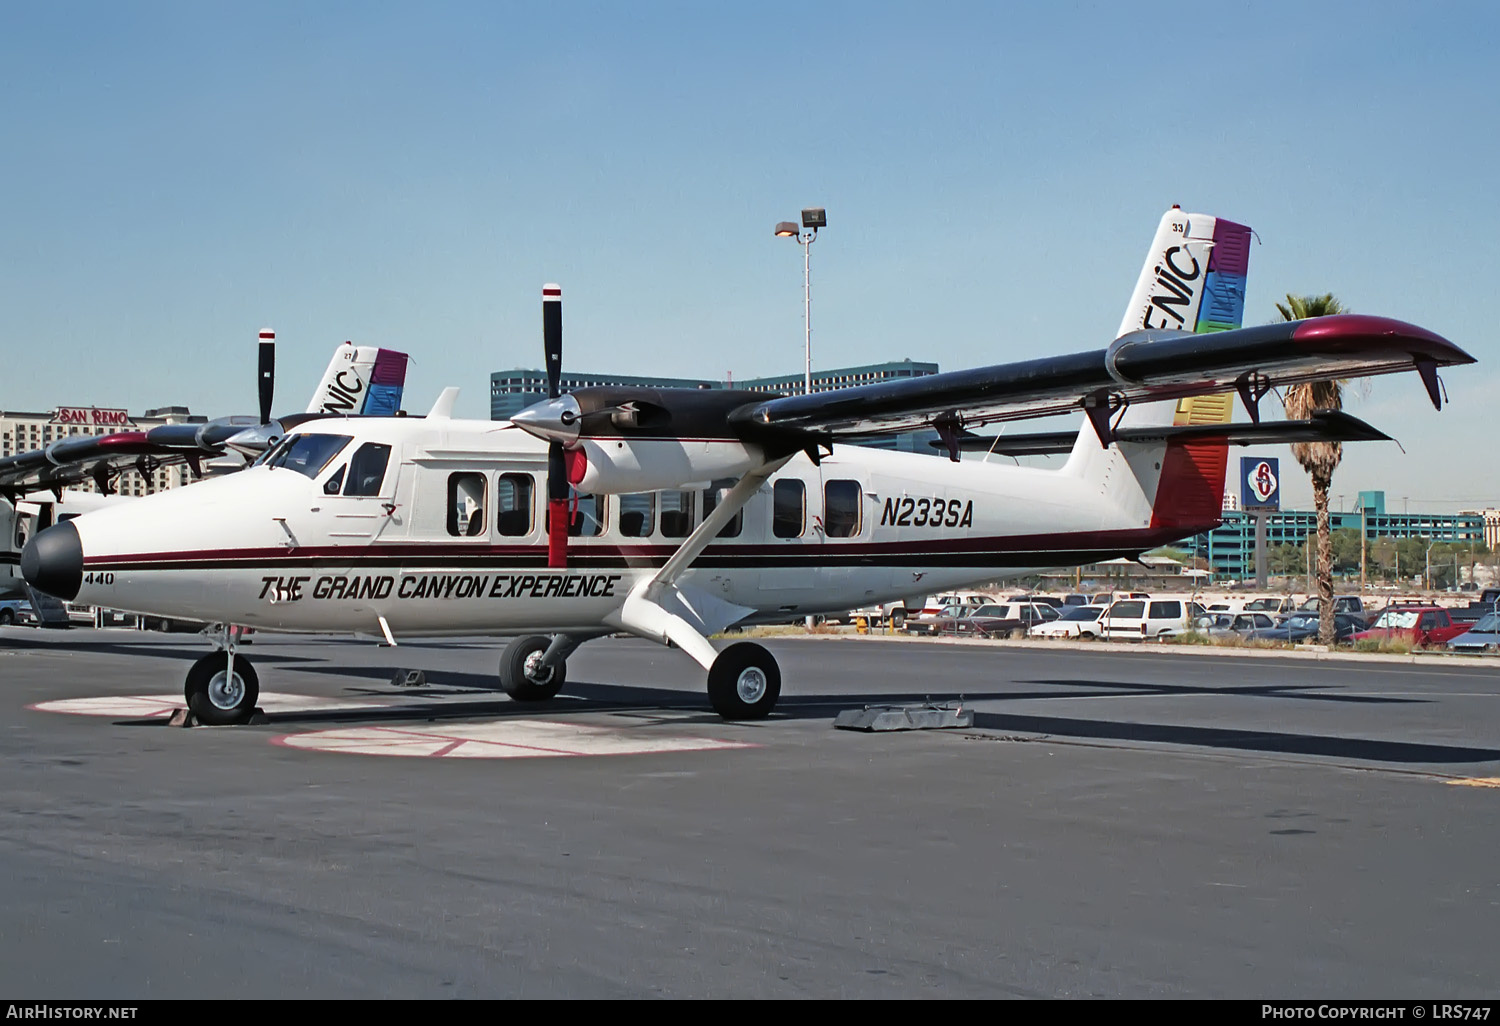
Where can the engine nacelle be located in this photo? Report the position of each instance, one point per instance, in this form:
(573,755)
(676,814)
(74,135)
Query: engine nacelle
(624,465)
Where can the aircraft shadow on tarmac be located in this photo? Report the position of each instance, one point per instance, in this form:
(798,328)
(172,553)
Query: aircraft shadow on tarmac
(461,695)
(144,648)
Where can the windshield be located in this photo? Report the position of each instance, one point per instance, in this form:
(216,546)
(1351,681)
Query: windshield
(1088,613)
(1488,624)
(1402,619)
(990,611)
(307,454)
(1302,621)
(1262,605)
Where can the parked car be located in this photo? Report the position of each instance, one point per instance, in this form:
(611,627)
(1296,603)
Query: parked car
(1001,618)
(945,620)
(1304,627)
(1049,600)
(933,605)
(1341,604)
(1421,625)
(14,611)
(1281,606)
(1142,619)
(1073,622)
(1226,625)
(996,619)
(1484,636)
(1078,599)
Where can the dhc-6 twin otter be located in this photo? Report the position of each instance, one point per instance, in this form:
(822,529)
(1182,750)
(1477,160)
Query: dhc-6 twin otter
(674,514)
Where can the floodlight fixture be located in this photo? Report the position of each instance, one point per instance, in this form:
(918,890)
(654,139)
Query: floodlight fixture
(814,218)
(785,229)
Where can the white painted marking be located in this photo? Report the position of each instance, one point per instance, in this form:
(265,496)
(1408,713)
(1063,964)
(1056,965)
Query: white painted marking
(502,739)
(147,706)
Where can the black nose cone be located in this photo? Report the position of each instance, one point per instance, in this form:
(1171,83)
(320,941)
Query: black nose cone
(53,561)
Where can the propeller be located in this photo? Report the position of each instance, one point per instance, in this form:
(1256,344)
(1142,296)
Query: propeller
(267,373)
(557,467)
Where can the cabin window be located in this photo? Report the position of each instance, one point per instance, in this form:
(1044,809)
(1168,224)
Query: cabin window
(587,520)
(789,504)
(716,494)
(841,503)
(308,454)
(637,514)
(466,504)
(676,514)
(335,483)
(513,498)
(367,469)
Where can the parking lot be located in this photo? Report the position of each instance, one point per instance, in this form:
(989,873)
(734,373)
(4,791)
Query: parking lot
(1117,823)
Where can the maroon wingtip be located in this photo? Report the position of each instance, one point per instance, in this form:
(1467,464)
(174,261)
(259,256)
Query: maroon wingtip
(1341,332)
(125,441)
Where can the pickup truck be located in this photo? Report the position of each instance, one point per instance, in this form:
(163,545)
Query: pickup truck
(1421,625)
(1489,602)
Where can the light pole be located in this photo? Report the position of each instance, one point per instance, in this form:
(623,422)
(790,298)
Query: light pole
(813,218)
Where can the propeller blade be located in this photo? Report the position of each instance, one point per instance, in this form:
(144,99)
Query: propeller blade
(557,467)
(552,337)
(267,374)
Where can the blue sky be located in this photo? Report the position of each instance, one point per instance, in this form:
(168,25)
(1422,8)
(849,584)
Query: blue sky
(178,176)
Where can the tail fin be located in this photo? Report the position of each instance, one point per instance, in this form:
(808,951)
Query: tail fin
(361,380)
(1193,280)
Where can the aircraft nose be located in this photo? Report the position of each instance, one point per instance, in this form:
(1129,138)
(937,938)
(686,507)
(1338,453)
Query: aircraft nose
(53,561)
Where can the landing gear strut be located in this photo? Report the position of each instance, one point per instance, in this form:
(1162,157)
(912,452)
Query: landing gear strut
(220,693)
(526,674)
(744,682)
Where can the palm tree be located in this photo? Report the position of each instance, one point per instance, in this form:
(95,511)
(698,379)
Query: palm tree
(1319,459)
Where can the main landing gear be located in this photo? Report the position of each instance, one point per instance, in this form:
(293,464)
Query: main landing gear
(744,680)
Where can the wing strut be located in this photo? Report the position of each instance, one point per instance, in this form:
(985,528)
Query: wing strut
(659,610)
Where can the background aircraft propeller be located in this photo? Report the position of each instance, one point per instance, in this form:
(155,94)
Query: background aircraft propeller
(267,373)
(557,467)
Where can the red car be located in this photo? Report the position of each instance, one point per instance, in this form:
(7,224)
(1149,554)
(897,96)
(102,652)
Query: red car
(1421,625)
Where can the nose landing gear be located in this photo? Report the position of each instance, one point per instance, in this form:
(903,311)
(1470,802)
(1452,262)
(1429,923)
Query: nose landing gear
(222,689)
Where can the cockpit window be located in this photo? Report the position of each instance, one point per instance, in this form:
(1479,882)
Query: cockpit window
(367,469)
(307,454)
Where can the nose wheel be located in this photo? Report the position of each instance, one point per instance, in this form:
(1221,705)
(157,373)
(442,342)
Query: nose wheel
(219,696)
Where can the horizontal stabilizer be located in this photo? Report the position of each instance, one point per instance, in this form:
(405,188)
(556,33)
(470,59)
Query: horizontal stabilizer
(1325,426)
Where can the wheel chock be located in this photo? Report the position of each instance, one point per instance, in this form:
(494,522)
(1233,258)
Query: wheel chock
(184,718)
(409,679)
(925,716)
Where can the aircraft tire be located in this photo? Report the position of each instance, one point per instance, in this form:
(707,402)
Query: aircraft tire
(744,682)
(7,618)
(520,685)
(217,702)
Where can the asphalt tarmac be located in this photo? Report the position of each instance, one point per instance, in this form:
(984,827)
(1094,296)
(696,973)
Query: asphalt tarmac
(1132,824)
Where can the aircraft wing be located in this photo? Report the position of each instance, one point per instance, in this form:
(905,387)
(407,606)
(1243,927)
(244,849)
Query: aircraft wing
(359,381)
(69,461)
(1143,366)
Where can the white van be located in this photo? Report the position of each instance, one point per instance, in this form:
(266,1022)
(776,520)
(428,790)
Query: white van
(1144,619)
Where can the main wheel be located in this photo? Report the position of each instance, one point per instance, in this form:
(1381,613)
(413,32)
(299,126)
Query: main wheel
(522,676)
(744,682)
(7,617)
(898,619)
(215,697)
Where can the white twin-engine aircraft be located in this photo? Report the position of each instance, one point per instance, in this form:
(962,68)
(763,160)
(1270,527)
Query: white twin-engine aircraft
(673,514)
